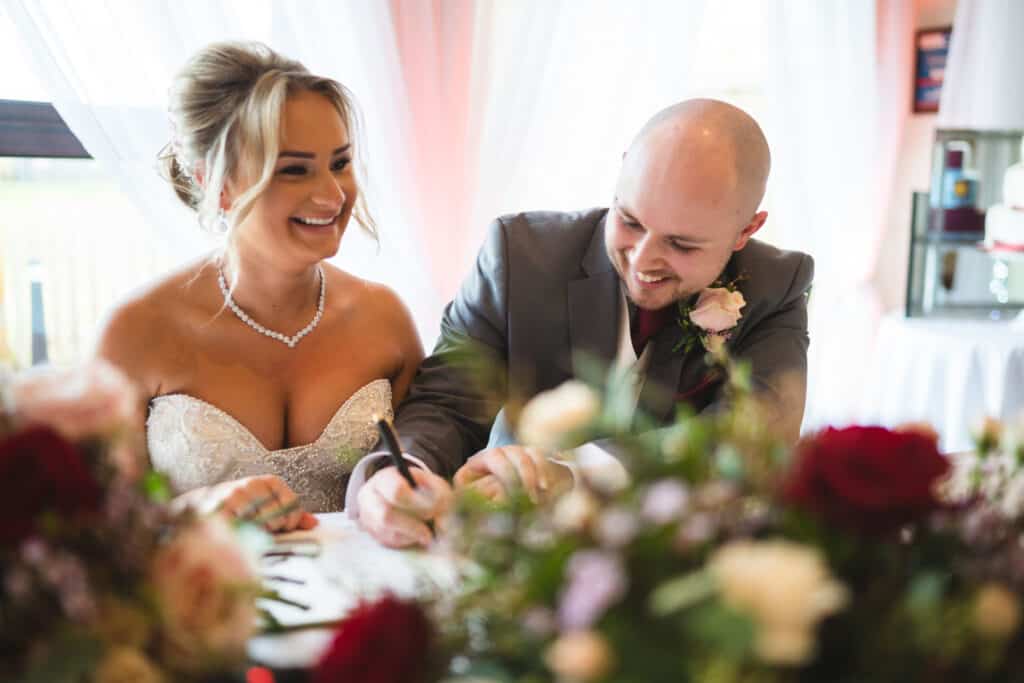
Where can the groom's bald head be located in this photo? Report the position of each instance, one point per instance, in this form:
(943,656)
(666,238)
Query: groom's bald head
(687,198)
(706,146)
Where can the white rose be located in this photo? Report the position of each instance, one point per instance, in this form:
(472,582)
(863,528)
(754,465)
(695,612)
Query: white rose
(206,584)
(1011,504)
(785,645)
(575,510)
(552,415)
(784,587)
(1013,437)
(717,309)
(960,484)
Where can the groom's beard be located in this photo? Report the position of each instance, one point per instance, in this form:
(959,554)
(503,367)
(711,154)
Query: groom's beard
(678,293)
(664,294)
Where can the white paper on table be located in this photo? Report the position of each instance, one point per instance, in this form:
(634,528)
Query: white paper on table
(352,567)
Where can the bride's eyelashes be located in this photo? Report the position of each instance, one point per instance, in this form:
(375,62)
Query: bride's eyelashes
(338,166)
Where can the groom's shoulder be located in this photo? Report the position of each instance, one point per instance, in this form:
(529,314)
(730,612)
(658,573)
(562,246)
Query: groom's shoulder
(772,271)
(551,233)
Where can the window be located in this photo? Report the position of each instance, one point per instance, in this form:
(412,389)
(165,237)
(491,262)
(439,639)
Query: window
(70,243)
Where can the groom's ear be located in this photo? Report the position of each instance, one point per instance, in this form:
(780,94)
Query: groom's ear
(749,229)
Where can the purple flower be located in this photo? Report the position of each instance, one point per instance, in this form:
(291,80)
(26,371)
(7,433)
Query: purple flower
(595,581)
(616,527)
(665,501)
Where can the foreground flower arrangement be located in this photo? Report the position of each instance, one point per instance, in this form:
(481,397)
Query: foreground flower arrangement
(861,555)
(101,580)
(731,558)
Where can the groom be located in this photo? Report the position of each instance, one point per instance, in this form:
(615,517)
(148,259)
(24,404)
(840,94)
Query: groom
(547,286)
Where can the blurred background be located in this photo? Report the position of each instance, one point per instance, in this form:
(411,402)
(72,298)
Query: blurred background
(474,108)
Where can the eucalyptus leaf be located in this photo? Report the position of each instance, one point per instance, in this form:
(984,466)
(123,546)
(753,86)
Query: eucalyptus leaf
(681,592)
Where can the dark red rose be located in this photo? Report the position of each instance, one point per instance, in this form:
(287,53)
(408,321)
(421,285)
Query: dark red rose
(41,472)
(387,641)
(868,479)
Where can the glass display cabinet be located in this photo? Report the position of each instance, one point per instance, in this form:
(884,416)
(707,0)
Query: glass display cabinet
(955,271)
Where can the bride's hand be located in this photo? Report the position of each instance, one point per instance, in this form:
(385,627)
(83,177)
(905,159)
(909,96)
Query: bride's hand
(262,498)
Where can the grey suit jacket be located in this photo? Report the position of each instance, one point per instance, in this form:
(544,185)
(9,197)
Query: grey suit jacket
(543,290)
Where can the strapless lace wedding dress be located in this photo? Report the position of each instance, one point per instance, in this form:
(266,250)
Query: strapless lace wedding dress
(197,444)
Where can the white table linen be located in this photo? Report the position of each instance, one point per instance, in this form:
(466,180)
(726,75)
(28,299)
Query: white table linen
(351,567)
(949,373)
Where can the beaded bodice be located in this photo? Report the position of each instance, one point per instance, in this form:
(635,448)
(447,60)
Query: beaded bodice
(197,444)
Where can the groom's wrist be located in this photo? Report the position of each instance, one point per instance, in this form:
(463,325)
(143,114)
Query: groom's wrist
(385,462)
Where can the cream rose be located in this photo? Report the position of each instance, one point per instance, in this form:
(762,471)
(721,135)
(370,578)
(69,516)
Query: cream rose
(575,510)
(206,585)
(580,656)
(552,415)
(717,309)
(987,433)
(784,587)
(996,611)
(126,665)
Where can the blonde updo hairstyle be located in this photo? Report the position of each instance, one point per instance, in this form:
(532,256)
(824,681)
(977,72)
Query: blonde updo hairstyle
(225,111)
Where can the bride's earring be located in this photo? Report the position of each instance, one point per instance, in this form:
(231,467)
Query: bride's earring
(222,221)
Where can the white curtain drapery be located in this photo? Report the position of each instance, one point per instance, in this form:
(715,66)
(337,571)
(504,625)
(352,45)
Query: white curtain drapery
(473,108)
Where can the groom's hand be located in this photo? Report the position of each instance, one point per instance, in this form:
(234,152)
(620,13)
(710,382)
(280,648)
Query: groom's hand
(396,514)
(496,472)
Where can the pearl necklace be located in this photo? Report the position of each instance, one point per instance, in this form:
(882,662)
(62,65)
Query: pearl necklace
(285,339)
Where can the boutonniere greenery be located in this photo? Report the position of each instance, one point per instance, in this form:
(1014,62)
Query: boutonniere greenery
(712,318)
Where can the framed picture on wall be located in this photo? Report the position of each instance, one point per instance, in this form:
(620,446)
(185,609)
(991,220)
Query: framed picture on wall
(930,48)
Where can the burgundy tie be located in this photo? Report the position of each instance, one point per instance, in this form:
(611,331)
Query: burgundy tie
(645,324)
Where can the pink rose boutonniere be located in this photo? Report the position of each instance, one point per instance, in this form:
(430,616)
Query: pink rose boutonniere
(712,318)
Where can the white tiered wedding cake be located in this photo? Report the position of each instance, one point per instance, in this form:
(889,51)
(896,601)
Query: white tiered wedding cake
(1004,223)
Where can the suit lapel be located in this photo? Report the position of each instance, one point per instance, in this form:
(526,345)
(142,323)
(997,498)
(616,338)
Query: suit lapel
(594,312)
(594,308)
(657,398)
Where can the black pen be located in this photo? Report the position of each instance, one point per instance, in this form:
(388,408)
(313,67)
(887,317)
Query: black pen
(390,437)
(387,433)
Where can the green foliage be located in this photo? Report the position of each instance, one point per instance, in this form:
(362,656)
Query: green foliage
(698,485)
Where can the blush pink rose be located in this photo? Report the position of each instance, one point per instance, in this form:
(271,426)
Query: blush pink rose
(717,309)
(95,399)
(206,585)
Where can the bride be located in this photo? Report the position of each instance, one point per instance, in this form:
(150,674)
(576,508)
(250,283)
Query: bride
(262,365)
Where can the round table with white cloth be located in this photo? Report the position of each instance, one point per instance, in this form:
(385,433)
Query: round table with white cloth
(949,373)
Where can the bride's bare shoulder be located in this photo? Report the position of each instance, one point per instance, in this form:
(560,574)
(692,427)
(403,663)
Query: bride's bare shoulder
(366,298)
(154,316)
(170,297)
